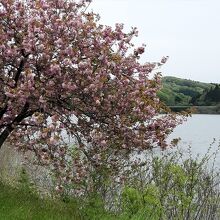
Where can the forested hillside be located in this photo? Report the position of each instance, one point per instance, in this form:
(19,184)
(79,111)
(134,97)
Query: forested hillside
(184,92)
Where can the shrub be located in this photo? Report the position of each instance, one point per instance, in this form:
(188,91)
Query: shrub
(174,187)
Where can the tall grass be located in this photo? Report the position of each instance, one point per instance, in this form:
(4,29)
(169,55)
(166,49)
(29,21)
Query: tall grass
(174,186)
(21,204)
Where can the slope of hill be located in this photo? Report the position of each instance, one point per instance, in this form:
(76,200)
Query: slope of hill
(184,92)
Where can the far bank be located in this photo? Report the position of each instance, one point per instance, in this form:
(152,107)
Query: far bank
(198,109)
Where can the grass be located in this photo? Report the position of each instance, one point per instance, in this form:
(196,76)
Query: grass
(22,205)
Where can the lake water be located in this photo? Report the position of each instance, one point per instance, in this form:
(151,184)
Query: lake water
(199,131)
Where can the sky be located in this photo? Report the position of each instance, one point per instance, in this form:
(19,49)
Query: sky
(188,31)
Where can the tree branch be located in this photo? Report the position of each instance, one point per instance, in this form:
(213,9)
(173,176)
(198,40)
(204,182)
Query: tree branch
(10,127)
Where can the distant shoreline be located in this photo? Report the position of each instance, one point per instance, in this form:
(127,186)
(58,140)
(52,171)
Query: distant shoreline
(198,109)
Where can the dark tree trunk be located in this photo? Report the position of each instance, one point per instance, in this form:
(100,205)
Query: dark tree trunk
(5,134)
(25,112)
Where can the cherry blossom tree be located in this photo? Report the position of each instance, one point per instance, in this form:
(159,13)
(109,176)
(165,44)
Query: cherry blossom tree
(64,74)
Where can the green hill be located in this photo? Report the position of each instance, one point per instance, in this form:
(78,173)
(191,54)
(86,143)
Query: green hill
(185,92)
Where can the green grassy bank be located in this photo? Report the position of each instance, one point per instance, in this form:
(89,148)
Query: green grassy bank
(20,204)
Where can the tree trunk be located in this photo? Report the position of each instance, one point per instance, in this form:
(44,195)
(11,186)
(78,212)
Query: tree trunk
(5,134)
(9,128)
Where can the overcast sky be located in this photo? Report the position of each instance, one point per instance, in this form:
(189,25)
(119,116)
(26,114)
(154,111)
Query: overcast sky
(188,31)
